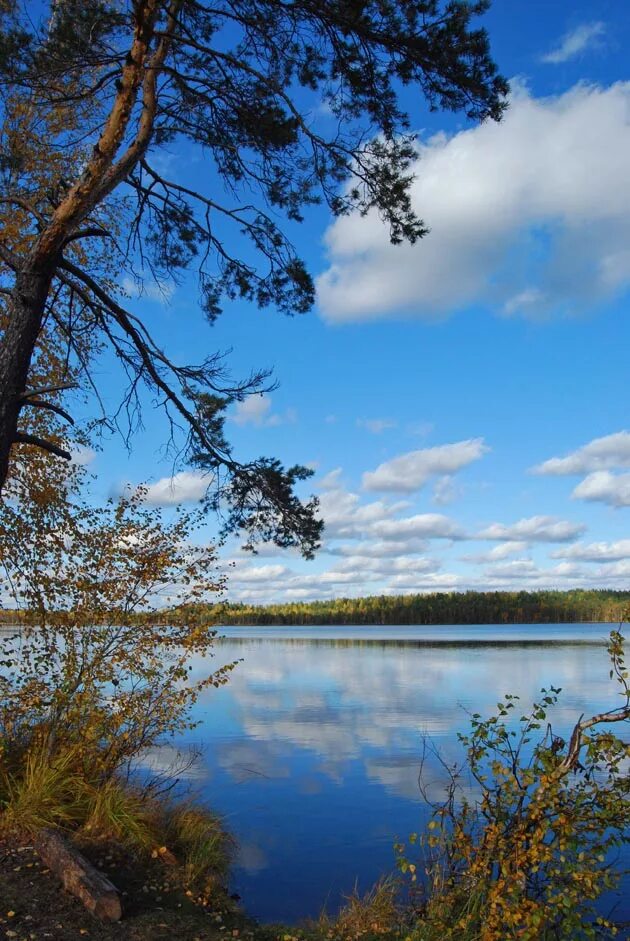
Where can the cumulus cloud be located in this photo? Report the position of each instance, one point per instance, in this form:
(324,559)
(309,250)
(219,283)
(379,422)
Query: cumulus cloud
(185,487)
(575,42)
(389,565)
(604,487)
(256,410)
(595,551)
(530,216)
(534,529)
(420,526)
(243,573)
(502,551)
(526,570)
(598,455)
(345,516)
(445,491)
(409,472)
(615,573)
(379,548)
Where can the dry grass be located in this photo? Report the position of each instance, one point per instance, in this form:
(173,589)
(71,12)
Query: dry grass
(200,843)
(376,914)
(43,791)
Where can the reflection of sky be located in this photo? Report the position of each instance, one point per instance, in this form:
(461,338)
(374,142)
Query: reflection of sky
(312,751)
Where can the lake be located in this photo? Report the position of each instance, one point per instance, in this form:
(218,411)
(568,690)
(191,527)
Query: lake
(313,749)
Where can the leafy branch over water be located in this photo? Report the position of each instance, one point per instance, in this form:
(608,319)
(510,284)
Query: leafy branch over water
(524,842)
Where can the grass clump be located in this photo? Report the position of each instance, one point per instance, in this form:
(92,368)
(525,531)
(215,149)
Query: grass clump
(40,790)
(37,791)
(117,812)
(376,914)
(198,840)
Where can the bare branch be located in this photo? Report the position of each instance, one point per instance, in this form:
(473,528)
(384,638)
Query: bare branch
(91,232)
(47,390)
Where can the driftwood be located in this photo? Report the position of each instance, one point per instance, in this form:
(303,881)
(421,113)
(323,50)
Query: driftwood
(79,876)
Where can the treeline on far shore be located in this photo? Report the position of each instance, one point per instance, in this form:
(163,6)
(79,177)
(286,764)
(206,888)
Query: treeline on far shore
(470,607)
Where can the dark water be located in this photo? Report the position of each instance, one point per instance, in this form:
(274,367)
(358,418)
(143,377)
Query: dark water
(312,752)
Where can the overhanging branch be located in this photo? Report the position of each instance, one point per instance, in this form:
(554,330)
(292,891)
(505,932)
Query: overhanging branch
(22,437)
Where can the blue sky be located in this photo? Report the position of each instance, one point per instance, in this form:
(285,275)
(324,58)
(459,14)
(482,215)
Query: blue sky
(434,387)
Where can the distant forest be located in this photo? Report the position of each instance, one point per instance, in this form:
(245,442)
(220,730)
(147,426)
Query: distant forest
(471,607)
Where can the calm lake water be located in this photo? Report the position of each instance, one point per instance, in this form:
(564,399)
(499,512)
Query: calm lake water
(312,751)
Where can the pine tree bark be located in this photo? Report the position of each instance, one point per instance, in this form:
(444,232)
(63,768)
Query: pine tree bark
(25,312)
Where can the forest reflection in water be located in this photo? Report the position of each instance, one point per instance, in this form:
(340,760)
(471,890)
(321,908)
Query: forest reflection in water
(312,751)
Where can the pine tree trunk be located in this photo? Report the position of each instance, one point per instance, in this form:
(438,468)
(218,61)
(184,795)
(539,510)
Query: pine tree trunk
(25,312)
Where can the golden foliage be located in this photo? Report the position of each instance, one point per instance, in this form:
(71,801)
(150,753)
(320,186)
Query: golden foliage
(528,857)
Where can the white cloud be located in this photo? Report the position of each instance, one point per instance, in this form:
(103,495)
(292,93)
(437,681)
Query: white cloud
(185,487)
(534,529)
(243,573)
(159,291)
(526,570)
(409,472)
(525,302)
(595,551)
(421,526)
(376,425)
(529,216)
(256,410)
(497,553)
(82,455)
(617,572)
(343,513)
(445,491)
(600,454)
(379,548)
(604,487)
(389,565)
(575,42)
(443,581)
(332,480)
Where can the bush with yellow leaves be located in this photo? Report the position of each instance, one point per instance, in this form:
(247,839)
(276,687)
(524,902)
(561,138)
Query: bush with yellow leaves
(530,854)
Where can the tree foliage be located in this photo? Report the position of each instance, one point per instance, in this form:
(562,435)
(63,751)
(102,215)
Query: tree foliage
(96,668)
(525,840)
(460,607)
(96,96)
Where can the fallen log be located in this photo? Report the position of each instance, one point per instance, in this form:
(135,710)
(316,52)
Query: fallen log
(79,877)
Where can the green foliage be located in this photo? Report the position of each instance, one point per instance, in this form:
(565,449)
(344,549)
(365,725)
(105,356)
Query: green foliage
(97,96)
(98,672)
(528,853)
(96,667)
(469,607)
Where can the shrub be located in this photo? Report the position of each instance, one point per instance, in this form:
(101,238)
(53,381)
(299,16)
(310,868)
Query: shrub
(531,854)
(98,671)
